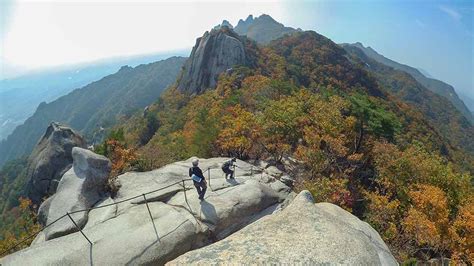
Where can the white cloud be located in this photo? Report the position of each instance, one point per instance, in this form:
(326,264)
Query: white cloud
(420,23)
(43,34)
(451,12)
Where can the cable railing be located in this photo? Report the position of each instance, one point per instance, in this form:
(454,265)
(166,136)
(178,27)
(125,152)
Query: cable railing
(68,214)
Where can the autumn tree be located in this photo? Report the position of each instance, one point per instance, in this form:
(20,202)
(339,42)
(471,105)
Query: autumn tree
(427,222)
(25,226)
(240,133)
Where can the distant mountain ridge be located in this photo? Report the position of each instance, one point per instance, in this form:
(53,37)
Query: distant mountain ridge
(95,106)
(20,96)
(436,109)
(434,85)
(262,29)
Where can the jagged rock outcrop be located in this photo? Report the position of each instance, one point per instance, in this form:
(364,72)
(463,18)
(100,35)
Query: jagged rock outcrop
(80,188)
(213,53)
(50,159)
(263,29)
(243,25)
(124,233)
(303,233)
(224,23)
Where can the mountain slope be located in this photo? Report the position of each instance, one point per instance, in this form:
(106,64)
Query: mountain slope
(437,109)
(434,85)
(20,96)
(97,105)
(351,134)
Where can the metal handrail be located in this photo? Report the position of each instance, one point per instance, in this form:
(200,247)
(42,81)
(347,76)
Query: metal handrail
(110,204)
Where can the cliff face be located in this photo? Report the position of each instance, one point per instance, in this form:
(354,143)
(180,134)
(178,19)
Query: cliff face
(213,53)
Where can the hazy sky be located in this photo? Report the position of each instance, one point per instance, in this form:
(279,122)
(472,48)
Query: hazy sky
(436,36)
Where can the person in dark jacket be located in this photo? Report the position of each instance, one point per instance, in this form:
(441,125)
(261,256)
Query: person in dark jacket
(226,167)
(198,179)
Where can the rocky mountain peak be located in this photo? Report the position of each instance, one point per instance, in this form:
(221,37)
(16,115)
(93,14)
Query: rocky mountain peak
(268,18)
(243,25)
(50,159)
(215,52)
(262,29)
(225,23)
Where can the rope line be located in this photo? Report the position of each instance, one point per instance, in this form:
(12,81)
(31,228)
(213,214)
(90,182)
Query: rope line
(107,205)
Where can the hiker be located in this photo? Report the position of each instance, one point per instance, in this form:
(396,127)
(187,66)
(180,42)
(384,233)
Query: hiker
(226,167)
(198,179)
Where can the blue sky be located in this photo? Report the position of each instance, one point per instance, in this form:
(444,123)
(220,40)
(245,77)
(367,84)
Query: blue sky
(436,36)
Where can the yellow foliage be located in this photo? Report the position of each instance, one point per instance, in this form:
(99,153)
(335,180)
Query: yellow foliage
(26,226)
(463,228)
(240,132)
(383,214)
(427,220)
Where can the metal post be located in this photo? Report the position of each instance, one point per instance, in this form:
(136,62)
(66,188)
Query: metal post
(184,189)
(209,175)
(151,217)
(80,230)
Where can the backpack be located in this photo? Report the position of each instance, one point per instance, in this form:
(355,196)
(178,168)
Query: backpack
(226,165)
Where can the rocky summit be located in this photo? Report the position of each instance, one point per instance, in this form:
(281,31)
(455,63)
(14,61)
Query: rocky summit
(303,233)
(215,52)
(263,29)
(156,216)
(50,159)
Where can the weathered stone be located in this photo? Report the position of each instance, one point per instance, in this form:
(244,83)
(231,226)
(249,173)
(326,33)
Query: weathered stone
(80,188)
(303,233)
(124,234)
(263,29)
(213,53)
(50,159)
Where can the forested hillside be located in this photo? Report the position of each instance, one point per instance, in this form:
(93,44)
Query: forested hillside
(442,114)
(20,96)
(357,144)
(434,85)
(95,106)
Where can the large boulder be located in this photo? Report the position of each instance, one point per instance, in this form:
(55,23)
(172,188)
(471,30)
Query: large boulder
(123,233)
(50,159)
(213,53)
(303,233)
(80,188)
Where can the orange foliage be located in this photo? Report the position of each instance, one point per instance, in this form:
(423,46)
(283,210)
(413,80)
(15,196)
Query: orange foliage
(427,220)
(240,132)
(463,227)
(122,158)
(26,225)
(333,190)
(383,215)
